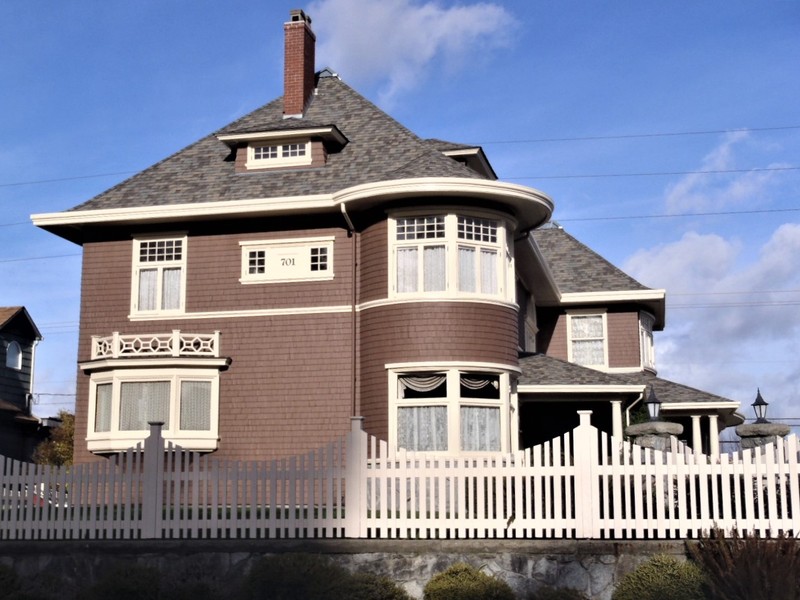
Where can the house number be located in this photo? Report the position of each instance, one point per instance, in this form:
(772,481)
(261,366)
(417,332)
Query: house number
(287,262)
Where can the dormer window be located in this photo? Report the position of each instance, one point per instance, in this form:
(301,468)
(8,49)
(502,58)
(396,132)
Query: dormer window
(260,155)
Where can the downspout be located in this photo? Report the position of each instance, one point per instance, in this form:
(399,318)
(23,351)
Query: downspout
(33,371)
(351,232)
(632,405)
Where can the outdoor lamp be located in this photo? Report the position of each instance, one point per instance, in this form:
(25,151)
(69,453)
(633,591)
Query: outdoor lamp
(760,408)
(653,405)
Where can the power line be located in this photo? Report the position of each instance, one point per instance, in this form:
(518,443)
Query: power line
(640,135)
(10,260)
(657,173)
(684,215)
(38,181)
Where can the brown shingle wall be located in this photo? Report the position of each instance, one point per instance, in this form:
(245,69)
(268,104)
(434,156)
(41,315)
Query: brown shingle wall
(623,339)
(374,263)
(428,332)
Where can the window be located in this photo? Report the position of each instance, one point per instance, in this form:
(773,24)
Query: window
(450,411)
(277,154)
(646,324)
(14,356)
(306,259)
(123,403)
(159,275)
(587,339)
(450,254)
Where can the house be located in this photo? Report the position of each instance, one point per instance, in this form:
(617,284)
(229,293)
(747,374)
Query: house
(316,261)
(20,431)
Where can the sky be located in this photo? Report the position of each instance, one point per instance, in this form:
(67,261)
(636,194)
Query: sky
(666,133)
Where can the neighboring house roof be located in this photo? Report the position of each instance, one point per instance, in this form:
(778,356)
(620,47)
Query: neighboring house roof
(378,149)
(577,268)
(19,314)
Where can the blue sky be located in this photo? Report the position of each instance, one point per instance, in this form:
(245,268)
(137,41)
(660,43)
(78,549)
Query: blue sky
(667,133)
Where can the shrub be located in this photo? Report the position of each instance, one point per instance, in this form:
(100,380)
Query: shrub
(126,581)
(365,586)
(9,582)
(463,582)
(662,578)
(547,592)
(749,568)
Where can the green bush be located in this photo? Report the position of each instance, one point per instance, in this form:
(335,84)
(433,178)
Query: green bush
(126,581)
(749,568)
(463,582)
(312,577)
(662,578)
(9,582)
(547,592)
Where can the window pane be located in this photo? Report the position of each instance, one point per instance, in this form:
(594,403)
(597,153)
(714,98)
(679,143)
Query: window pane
(488,271)
(141,402)
(479,385)
(102,409)
(466,269)
(480,428)
(434,264)
(196,405)
(588,352)
(171,290)
(587,327)
(148,289)
(422,428)
(406,269)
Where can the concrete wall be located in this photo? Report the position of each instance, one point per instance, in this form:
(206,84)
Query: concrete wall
(590,566)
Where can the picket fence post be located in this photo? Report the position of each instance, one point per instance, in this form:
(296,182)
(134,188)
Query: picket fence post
(354,482)
(152,482)
(585,481)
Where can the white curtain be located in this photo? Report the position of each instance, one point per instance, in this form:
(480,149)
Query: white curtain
(171,289)
(478,382)
(420,383)
(588,352)
(422,428)
(196,405)
(480,428)
(466,269)
(102,408)
(434,265)
(141,402)
(407,270)
(488,271)
(587,327)
(148,289)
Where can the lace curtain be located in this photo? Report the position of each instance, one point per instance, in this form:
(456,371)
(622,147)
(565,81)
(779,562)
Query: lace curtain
(102,408)
(141,402)
(196,405)
(422,428)
(480,428)
(434,265)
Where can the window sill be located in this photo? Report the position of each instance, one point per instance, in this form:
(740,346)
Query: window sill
(192,441)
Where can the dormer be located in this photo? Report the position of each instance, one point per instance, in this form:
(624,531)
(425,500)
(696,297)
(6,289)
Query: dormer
(284,148)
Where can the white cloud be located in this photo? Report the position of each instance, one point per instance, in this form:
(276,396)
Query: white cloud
(699,192)
(394,42)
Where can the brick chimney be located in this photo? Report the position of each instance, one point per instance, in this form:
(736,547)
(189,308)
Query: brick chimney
(298,65)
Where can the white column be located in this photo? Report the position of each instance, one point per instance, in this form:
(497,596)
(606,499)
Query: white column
(713,435)
(616,419)
(697,438)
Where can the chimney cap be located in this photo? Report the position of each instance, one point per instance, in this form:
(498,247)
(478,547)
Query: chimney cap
(297,14)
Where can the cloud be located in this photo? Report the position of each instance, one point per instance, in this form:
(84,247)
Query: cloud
(702,192)
(393,43)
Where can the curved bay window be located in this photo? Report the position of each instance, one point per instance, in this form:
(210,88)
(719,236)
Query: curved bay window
(451,411)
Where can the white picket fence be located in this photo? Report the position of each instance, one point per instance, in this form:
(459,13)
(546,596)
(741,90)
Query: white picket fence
(584,484)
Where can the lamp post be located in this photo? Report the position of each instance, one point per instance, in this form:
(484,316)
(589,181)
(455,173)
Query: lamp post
(760,408)
(653,405)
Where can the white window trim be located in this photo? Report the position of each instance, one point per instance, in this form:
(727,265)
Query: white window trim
(646,341)
(279,161)
(14,360)
(287,244)
(117,440)
(588,313)
(454,402)
(504,246)
(136,266)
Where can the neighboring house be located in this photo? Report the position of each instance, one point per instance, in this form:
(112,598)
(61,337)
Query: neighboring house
(20,431)
(316,261)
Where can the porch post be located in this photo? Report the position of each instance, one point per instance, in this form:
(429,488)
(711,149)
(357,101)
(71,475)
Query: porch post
(713,435)
(616,419)
(697,437)
(355,469)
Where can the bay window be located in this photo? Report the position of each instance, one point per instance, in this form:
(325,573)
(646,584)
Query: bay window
(451,255)
(450,411)
(648,353)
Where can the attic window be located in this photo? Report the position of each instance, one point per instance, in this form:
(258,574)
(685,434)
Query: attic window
(275,154)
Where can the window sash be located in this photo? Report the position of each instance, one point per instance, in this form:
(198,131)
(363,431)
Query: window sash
(422,428)
(102,410)
(195,406)
(480,428)
(142,402)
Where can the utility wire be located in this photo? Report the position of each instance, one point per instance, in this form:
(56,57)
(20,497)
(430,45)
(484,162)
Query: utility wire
(656,174)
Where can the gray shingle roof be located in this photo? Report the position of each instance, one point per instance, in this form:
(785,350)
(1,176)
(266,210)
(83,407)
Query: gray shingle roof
(578,268)
(379,149)
(540,369)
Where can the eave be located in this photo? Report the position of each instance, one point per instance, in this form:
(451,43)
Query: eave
(329,134)
(529,206)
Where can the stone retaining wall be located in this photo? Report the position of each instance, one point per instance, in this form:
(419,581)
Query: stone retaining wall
(590,566)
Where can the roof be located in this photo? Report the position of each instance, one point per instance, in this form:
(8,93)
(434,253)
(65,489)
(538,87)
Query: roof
(577,268)
(378,149)
(18,316)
